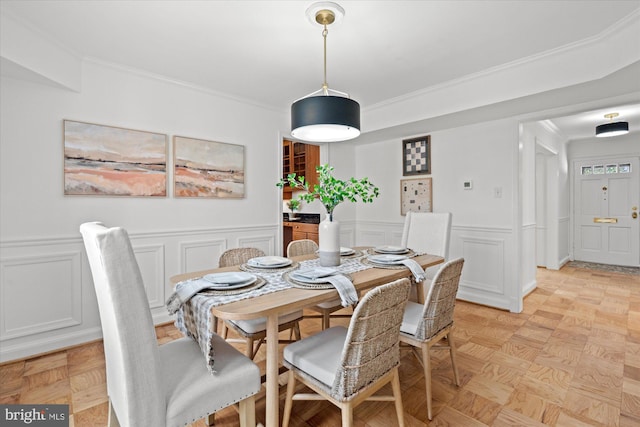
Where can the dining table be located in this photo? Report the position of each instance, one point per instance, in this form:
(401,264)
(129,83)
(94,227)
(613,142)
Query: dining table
(289,299)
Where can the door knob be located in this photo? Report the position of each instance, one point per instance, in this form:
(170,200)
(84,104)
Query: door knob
(634,215)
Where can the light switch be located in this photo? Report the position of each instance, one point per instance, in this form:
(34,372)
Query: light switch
(467,185)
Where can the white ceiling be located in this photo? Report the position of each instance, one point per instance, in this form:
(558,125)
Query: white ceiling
(267,52)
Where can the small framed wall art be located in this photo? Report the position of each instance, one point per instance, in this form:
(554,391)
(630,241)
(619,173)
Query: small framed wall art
(112,161)
(416,156)
(207,168)
(415,195)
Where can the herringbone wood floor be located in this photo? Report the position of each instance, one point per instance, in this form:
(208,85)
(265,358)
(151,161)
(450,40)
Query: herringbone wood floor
(571,358)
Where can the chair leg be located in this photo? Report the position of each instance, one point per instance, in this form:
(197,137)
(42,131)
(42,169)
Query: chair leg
(427,376)
(112,420)
(288,402)
(249,350)
(211,419)
(225,330)
(326,320)
(296,331)
(347,415)
(397,397)
(247,412)
(452,352)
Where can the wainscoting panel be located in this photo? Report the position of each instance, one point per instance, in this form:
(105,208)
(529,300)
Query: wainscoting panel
(483,269)
(151,262)
(265,243)
(31,301)
(202,254)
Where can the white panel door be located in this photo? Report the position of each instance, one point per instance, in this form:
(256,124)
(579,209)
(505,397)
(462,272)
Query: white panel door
(606,211)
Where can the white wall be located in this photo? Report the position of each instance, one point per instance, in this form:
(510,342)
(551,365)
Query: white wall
(47,295)
(483,225)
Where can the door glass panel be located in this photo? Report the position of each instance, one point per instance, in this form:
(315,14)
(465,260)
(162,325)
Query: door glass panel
(586,170)
(612,168)
(598,170)
(625,167)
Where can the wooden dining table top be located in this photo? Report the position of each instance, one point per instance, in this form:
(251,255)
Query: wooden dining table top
(292,299)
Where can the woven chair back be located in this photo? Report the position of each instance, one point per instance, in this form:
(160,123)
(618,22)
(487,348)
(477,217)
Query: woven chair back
(301,247)
(371,348)
(440,300)
(238,256)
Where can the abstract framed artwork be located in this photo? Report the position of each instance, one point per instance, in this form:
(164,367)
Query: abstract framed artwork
(416,195)
(207,168)
(416,156)
(112,161)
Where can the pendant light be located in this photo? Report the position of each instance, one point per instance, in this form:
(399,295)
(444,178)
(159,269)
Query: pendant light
(325,115)
(612,128)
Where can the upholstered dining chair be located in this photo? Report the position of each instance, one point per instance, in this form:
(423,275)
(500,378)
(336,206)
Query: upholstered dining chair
(430,233)
(255,330)
(148,384)
(309,247)
(426,326)
(347,366)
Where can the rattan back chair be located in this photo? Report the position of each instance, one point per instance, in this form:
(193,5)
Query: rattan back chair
(309,247)
(347,366)
(254,331)
(424,326)
(301,247)
(238,256)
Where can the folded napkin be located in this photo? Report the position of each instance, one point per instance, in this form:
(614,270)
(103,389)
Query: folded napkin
(346,290)
(316,273)
(415,268)
(183,293)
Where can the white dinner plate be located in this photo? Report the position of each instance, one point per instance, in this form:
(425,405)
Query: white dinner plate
(269,262)
(346,251)
(230,280)
(391,250)
(387,259)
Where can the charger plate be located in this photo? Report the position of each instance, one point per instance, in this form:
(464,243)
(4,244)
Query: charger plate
(302,285)
(372,251)
(252,269)
(366,261)
(260,282)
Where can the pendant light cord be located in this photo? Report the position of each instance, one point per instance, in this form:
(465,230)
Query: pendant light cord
(325,86)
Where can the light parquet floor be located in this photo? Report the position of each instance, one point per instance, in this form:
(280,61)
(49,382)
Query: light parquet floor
(571,358)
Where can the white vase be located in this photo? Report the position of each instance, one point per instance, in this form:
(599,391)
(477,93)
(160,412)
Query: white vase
(329,239)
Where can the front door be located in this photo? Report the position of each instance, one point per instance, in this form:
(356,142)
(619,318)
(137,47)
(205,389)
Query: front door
(606,211)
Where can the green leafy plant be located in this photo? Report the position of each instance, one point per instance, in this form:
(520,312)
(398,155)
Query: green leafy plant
(331,191)
(294,204)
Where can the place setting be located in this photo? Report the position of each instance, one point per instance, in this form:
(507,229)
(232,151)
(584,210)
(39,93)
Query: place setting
(324,278)
(269,264)
(215,284)
(394,257)
(350,252)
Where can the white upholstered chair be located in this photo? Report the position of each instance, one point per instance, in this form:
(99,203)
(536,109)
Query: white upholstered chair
(347,366)
(309,247)
(255,330)
(147,384)
(427,232)
(429,326)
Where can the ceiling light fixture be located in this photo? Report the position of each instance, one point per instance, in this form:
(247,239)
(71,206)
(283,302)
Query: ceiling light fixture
(325,115)
(612,128)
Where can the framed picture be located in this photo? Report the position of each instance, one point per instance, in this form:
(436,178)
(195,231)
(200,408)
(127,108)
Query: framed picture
(207,168)
(416,156)
(415,195)
(112,161)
